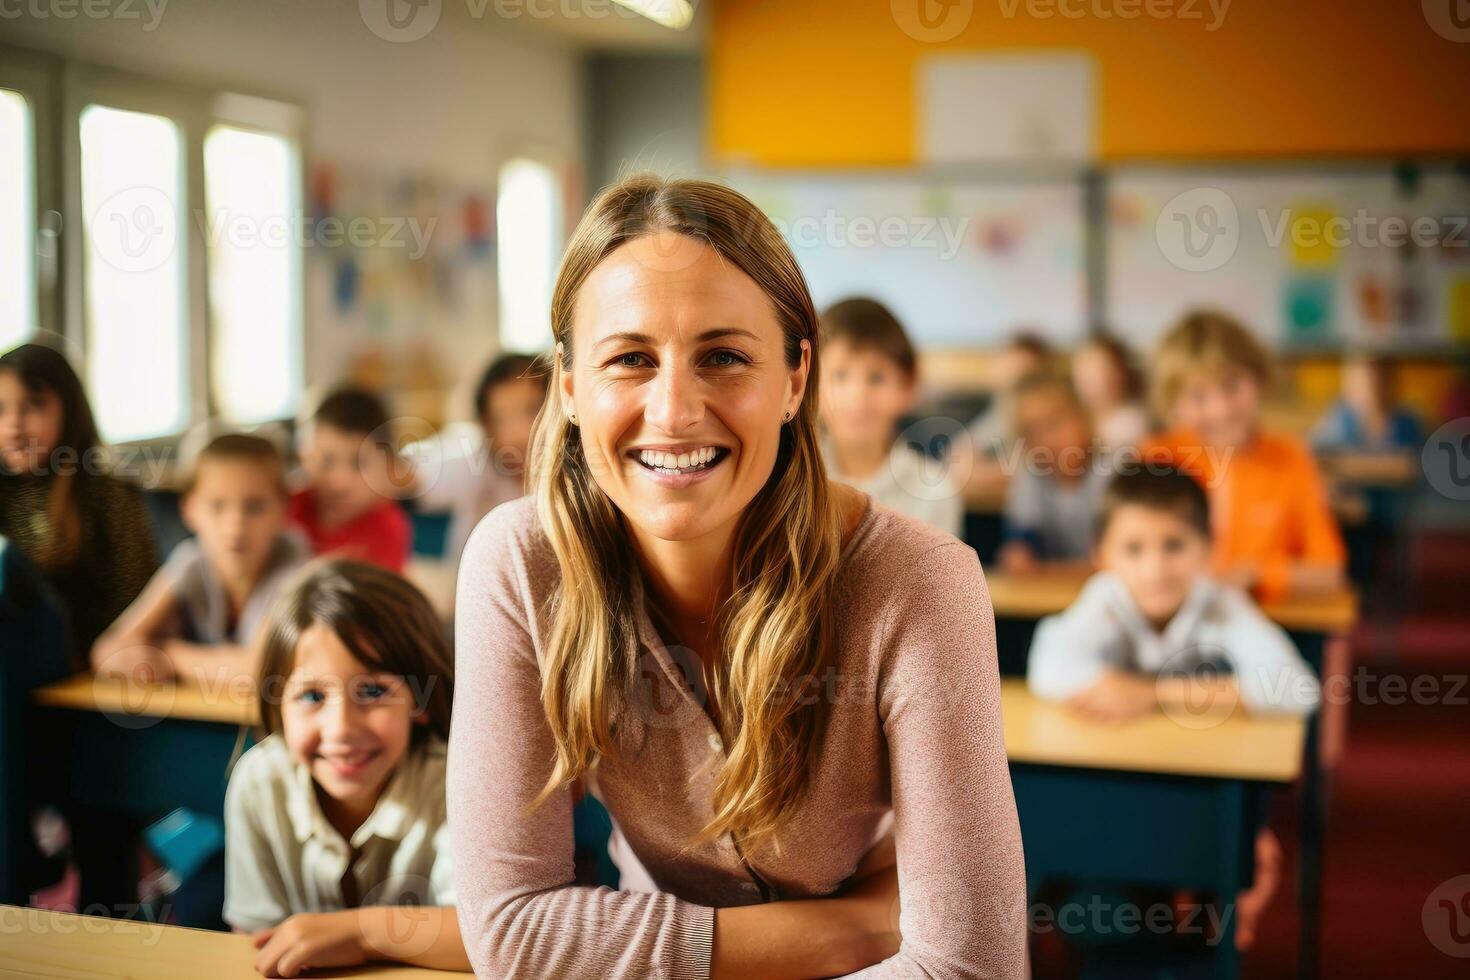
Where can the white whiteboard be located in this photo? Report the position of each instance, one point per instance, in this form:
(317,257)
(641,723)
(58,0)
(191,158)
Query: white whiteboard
(1309,259)
(961,262)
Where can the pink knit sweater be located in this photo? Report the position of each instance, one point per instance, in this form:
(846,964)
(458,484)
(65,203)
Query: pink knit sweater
(915,726)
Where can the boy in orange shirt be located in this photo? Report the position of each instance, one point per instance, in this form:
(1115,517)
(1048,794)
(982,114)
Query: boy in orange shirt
(1274,529)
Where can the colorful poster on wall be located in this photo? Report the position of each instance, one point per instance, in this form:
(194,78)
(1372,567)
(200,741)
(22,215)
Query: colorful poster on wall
(1309,309)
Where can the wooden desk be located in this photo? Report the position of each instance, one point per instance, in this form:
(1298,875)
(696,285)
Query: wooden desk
(1262,749)
(1150,802)
(229,705)
(1045,593)
(36,943)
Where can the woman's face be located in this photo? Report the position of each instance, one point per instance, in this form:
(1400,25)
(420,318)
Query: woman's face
(678,383)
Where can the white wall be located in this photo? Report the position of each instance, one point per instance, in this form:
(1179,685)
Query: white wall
(452,105)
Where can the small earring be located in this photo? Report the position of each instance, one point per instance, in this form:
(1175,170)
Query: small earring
(571,418)
(786,417)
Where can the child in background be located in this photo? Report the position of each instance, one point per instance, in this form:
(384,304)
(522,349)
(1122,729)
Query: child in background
(472,479)
(85,530)
(1151,620)
(1153,607)
(1367,418)
(350,462)
(1274,529)
(1053,499)
(337,846)
(869,378)
(992,432)
(1112,389)
(199,613)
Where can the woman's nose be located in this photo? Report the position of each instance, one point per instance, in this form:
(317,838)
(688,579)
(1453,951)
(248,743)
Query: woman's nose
(676,402)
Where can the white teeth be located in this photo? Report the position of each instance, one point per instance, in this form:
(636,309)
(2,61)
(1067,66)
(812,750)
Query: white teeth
(674,462)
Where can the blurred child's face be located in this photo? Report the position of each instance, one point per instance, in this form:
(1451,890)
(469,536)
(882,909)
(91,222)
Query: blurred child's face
(1362,387)
(1096,377)
(1050,421)
(510,409)
(863,394)
(348,723)
(237,509)
(1223,408)
(1013,364)
(1156,554)
(344,468)
(30,425)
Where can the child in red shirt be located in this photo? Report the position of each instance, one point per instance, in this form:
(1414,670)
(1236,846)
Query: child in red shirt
(349,459)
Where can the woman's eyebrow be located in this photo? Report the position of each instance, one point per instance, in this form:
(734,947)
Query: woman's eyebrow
(714,333)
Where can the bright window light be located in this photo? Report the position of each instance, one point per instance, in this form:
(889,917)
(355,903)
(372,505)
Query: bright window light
(528,233)
(133,213)
(252,197)
(17,221)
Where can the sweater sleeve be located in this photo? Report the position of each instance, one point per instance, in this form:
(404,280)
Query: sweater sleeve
(960,871)
(520,913)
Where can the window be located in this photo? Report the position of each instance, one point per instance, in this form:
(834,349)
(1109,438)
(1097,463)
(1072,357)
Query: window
(17,220)
(133,215)
(528,231)
(251,194)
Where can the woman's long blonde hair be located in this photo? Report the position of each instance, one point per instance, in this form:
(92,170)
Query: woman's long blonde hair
(775,628)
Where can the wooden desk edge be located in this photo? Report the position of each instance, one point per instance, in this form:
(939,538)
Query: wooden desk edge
(83,692)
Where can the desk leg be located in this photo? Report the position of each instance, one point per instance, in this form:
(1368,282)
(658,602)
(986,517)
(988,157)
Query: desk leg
(1309,869)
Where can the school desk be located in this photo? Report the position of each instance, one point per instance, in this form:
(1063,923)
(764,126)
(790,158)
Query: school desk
(37,943)
(1317,622)
(143,749)
(1151,802)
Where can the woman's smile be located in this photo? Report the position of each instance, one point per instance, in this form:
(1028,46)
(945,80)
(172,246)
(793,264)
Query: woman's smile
(677,467)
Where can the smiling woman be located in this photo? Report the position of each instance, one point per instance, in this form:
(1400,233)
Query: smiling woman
(785,694)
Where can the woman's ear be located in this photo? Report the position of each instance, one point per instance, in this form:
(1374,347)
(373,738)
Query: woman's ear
(564,382)
(799,376)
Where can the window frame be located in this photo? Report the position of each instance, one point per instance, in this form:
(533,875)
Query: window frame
(37,77)
(196,109)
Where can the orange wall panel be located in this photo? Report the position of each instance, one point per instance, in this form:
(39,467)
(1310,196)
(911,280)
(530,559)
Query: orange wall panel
(832,83)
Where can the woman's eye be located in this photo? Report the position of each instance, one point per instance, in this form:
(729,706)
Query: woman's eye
(310,697)
(371,692)
(726,358)
(630,360)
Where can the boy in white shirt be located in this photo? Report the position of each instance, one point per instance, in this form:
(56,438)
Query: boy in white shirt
(1144,626)
(1148,627)
(868,380)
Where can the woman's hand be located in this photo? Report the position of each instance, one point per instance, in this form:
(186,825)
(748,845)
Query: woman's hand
(308,941)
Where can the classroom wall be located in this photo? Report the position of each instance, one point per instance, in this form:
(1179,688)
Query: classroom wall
(1299,78)
(645,112)
(451,106)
